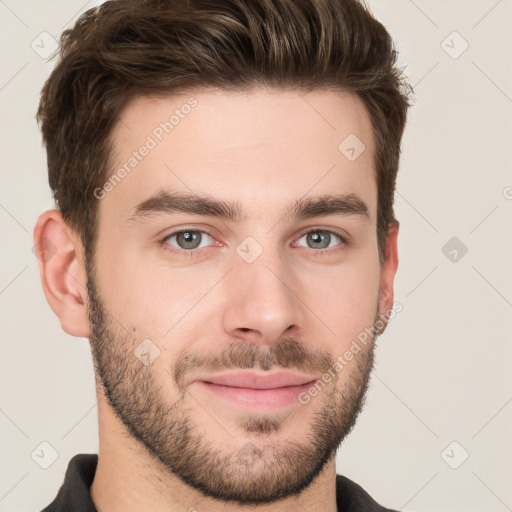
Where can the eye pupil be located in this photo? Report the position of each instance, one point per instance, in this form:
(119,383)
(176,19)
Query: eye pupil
(322,237)
(188,239)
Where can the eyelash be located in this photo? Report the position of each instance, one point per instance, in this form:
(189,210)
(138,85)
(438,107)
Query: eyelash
(196,252)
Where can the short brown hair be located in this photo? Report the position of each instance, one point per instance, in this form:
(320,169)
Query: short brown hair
(129,48)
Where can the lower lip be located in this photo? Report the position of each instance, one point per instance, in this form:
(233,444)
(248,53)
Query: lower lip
(258,398)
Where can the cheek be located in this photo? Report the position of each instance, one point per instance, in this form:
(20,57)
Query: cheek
(156,302)
(163,303)
(347,303)
(131,291)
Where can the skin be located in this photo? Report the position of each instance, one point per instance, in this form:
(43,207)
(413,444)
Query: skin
(289,308)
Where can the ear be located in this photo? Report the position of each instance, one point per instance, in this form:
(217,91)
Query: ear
(387,275)
(60,259)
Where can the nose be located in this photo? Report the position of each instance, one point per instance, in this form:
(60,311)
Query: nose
(262,302)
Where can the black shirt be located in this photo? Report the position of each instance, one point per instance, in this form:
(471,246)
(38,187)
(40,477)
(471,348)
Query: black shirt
(74,496)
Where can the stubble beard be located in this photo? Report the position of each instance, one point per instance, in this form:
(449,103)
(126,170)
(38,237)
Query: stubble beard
(255,468)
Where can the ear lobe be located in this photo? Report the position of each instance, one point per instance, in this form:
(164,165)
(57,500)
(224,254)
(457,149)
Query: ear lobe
(388,272)
(61,267)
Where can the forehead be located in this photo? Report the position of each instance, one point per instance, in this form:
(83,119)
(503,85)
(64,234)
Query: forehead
(263,148)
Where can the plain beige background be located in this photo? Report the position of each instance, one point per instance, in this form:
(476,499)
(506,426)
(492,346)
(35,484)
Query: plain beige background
(436,432)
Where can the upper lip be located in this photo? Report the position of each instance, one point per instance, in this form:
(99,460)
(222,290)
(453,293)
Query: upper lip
(254,380)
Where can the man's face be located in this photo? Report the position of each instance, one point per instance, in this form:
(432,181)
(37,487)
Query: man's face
(257,294)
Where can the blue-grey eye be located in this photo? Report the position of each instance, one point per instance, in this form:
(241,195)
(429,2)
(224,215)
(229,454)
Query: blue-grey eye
(320,239)
(188,239)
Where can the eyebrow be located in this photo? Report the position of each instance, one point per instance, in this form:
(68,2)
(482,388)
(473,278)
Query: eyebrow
(165,202)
